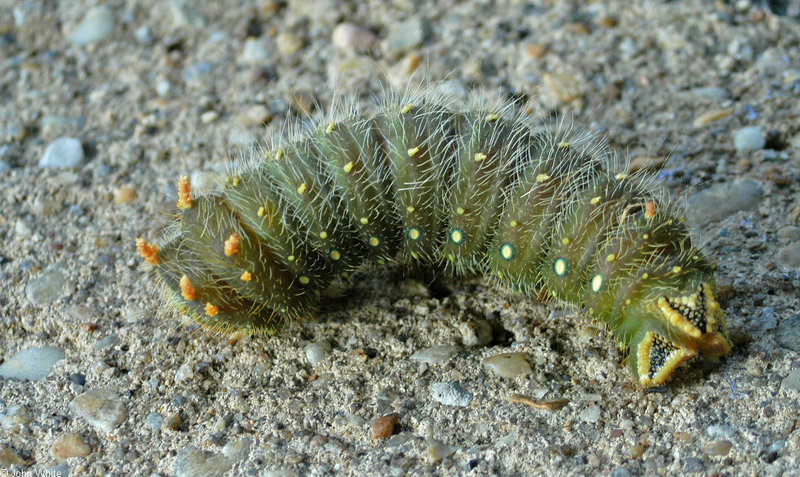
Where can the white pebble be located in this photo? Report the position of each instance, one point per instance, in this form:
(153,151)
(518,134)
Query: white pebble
(31,363)
(255,52)
(435,354)
(143,35)
(163,87)
(96,25)
(590,414)
(100,407)
(63,152)
(184,373)
(349,37)
(450,394)
(748,139)
(316,352)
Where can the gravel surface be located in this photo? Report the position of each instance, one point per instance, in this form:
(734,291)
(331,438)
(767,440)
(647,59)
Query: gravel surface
(104,104)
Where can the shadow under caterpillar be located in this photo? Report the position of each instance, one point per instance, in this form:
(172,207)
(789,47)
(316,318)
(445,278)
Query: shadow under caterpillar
(543,211)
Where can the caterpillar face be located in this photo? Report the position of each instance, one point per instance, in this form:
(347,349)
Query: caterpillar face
(478,191)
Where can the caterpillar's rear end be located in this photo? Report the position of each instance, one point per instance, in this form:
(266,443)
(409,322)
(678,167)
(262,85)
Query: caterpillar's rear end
(545,212)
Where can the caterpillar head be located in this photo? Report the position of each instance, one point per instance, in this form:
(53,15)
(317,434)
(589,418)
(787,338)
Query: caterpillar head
(679,325)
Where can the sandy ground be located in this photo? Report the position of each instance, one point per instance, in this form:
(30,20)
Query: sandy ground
(152,90)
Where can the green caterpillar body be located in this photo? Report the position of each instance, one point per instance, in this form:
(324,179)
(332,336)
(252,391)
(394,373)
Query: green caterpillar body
(480,191)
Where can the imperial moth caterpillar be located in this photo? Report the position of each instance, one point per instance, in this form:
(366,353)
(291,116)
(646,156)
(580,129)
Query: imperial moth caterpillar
(542,210)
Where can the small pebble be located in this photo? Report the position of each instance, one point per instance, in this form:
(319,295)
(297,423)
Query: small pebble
(590,414)
(719,448)
(711,116)
(100,407)
(14,417)
(70,445)
(182,15)
(475,333)
(184,373)
(9,458)
(436,354)
(209,116)
(124,195)
(788,333)
(508,365)
(254,116)
(383,426)
(143,35)
(450,394)
(316,352)
(692,464)
(288,43)
(64,152)
(97,25)
(723,200)
(107,342)
(792,381)
(154,420)
(352,38)
(163,87)
(789,257)
(563,86)
(34,364)
(748,139)
(193,462)
(196,74)
(438,450)
(255,52)
(406,36)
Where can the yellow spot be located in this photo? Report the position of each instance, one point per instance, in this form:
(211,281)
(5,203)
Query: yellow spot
(414,234)
(303,280)
(410,209)
(232,244)
(646,236)
(513,223)
(563,145)
(479,156)
(542,178)
(451,257)
(329,129)
(147,251)
(595,200)
(348,167)
(323,235)
(460,211)
(456,236)
(560,267)
(492,117)
(302,189)
(184,193)
(187,289)
(381,261)
(507,251)
(364,220)
(413,151)
(676,269)
(645,275)
(279,155)
(628,301)
(261,211)
(246,276)
(374,241)
(620,176)
(565,241)
(235,181)
(611,257)
(335,255)
(211,310)
(407,108)
(290,258)
(597,283)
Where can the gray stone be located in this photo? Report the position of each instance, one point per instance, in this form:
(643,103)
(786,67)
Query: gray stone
(692,464)
(100,407)
(108,342)
(590,414)
(407,35)
(154,420)
(13,417)
(48,286)
(748,139)
(255,52)
(792,381)
(64,152)
(192,462)
(316,352)
(97,25)
(789,257)
(720,430)
(31,363)
(508,365)
(435,354)
(450,394)
(763,322)
(722,200)
(349,37)
(788,333)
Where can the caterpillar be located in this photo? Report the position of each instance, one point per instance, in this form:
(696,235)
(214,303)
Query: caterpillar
(543,210)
